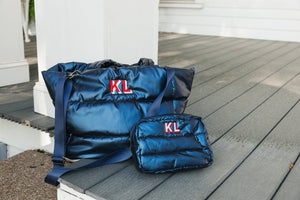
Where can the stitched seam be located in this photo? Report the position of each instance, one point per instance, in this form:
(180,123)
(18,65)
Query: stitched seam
(126,100)
(178,151)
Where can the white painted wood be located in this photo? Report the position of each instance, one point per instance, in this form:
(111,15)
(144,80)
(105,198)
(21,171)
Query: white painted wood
(12,151)
(255,4)
(90,31)
(25,18)
(272,20)
(67,193)
(42,100)
(13,66)
(13,72)
(23,137)
(180,5)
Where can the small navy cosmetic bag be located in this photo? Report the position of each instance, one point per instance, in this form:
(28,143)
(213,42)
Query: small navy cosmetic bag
(170,142)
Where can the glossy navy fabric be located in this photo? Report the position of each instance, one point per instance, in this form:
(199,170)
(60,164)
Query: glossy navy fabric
(155,151)
(99,122)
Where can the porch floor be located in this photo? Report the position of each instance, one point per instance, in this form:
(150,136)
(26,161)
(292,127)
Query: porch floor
(248,93)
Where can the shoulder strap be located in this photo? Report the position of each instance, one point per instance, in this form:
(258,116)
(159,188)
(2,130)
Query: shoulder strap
(154,109)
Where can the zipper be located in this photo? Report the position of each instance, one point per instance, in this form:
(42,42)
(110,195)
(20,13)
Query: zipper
(73,74)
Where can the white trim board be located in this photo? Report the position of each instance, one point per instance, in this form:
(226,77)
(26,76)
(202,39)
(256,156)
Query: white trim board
(20,138)
(67,193)
(14,72)
(42,100)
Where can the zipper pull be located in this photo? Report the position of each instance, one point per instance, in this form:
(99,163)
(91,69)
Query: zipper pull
(75,73)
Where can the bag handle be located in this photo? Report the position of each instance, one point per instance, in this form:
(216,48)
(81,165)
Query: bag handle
(109,63)
(154,109)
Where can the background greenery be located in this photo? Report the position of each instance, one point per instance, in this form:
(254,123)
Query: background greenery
(31,10)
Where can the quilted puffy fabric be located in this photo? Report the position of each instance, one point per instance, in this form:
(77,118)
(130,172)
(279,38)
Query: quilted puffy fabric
(158,148)
(99,121)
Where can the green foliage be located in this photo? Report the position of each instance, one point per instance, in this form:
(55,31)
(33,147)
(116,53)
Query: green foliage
(31,10)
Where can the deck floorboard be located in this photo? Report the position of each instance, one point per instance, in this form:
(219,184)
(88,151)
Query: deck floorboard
(246,90)
(290,187)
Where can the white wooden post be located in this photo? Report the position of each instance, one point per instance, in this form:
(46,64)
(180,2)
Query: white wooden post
(88,31)
(13,67)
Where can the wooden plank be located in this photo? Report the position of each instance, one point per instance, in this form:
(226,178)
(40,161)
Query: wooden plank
(186,46)
(216,44)
(241,67)
(189,40)
(193,53)
(18,105)
(198,44)
(127,184)
(253,97)
(290,187)
(175,37)
(165,44)
(86,178)
(230,150)
(204,61)
(207,61)
(186,38)
(206,71)
(168,36)
(213,101)
(206,65)
(16,89)
(267,165)
(214,71)
(23,116)
(11,98)
(181,49)
(43,123)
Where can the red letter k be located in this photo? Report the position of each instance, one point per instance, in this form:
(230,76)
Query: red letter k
(114,86)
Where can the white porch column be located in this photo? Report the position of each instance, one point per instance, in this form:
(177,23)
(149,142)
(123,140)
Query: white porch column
(13,67)
(88,31)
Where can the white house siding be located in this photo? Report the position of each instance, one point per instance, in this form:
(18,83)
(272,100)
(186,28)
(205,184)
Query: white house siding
(267,19)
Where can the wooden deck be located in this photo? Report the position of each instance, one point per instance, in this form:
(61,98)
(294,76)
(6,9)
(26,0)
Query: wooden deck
(248,93)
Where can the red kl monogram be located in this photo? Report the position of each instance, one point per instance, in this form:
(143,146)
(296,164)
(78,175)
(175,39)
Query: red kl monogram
(168,128)
(114,87)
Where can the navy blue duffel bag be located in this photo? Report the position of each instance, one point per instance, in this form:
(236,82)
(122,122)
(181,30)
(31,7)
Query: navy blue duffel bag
(97,104)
